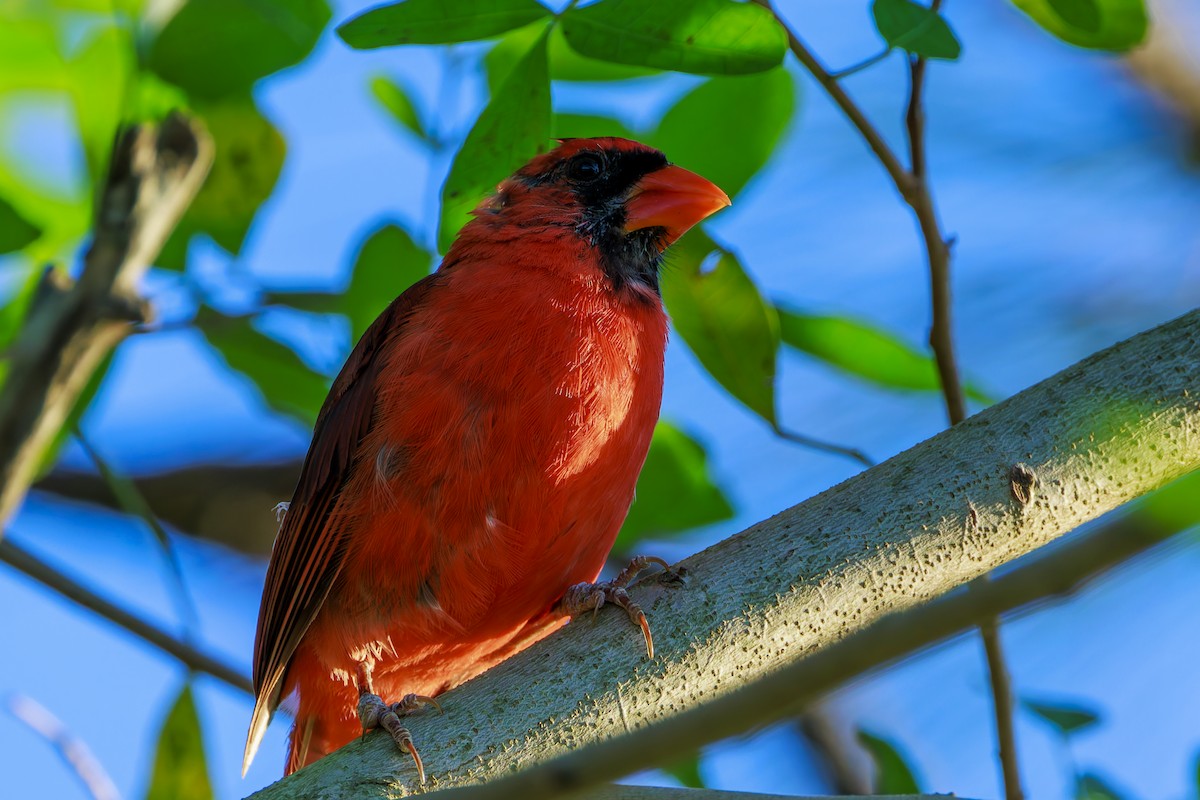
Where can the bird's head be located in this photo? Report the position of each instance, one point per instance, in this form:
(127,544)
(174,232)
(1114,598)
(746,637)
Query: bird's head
(622,198)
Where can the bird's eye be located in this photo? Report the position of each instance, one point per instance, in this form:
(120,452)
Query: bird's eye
(586,167)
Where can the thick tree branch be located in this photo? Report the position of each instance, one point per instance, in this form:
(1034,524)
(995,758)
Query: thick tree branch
(617,792)
(1097,435)
(72,327)
(23,561)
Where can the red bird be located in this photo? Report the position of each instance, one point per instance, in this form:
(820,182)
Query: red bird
(478,452)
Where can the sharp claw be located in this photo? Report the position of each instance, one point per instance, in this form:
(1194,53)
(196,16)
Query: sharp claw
(411,749)
(645,625)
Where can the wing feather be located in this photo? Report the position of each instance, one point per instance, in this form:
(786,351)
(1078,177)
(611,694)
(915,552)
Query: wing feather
(308,552)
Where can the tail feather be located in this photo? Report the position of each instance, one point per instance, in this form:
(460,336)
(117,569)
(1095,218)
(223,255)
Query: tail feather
(259,721)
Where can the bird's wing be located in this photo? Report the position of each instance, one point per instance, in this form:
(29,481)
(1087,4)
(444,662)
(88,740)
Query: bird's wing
(308,551)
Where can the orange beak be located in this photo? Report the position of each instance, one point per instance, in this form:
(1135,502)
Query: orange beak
(674,199)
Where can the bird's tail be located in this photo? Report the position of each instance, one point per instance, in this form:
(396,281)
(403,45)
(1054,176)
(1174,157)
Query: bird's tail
(258,728)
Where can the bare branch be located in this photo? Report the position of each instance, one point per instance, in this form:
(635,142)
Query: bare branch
(71,749)
(767,620)
(24,561)
(71,328)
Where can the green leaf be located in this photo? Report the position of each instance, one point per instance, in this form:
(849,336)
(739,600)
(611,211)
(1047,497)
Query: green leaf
(100,79)
(863,350)
(388,262)
(588,126)
(16,232)
(29,55)
(1093,787)
(675,491)
(565,63)
(687,772)
(395,100)
(286,383)
(249,158)
(697,131)
(214,48)
(438,22)
(1081,14)
(1115,25)
(180,770)
(892,773)
(916,28)
(718,311)
(1066,718)
(513,128)
(707,37)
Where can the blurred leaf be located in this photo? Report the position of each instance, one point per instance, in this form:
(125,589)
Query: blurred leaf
(861,349)
(724,320)
(892,773)
(214,48)
(1065,717)
(152,98)
(512,128)
(708,37)
(100,80)
(394,98)
(675,491)
(1176,506)
(687,772)
(29,55)
(697,131)
(180,771)
(1116,25)
(16,232)
(565,63)
(916,28)
(438,22)
(589,126)
(388,262)
(1092,787)
(285,382)
(1081,14)
(249,158)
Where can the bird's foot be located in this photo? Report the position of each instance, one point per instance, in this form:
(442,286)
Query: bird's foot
(584,597)
(374,713)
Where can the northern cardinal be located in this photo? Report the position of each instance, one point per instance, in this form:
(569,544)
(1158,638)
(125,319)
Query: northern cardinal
(478,452)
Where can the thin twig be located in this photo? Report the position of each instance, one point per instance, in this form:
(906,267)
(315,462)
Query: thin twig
(824,446)
(71,749)
(899,175)
(132,502)
(1003,702)
(23,561)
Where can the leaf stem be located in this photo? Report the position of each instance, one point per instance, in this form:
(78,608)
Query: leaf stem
(860,66)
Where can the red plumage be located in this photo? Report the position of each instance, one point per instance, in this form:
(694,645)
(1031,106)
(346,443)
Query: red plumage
(478,452)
